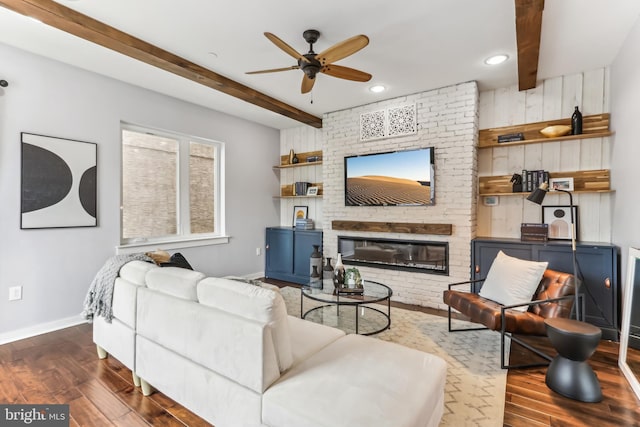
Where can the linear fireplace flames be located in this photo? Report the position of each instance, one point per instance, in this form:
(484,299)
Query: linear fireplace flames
(409,255)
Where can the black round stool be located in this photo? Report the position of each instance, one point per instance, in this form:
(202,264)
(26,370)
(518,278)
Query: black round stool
(569,374)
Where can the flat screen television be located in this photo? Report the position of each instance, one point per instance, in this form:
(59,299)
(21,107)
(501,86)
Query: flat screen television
(397,178)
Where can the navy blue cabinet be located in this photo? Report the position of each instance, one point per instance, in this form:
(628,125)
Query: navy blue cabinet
(598,266)
(288,251)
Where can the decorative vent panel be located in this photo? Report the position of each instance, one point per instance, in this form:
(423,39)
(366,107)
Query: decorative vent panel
(402,120)
(395,121)
(372,125)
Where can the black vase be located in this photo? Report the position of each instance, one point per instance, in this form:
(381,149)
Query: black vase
(576,122)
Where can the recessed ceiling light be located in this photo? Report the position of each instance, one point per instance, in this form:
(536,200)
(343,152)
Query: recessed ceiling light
(496,59)
(377,88)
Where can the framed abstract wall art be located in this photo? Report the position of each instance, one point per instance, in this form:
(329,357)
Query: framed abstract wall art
(58,182)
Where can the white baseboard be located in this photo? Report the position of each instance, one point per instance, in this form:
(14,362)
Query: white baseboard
(41,328)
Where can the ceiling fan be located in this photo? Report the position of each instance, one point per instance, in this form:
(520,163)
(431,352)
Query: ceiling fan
(311,63)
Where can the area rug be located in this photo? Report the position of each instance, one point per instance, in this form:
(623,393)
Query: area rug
(475,388)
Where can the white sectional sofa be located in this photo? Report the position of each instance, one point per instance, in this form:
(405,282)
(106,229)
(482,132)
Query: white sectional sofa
(228,351)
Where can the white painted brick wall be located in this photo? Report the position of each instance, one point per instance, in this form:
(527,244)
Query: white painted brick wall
(448,121)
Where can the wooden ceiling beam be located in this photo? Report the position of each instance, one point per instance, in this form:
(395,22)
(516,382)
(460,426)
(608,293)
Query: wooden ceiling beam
(87,28)
(528,29)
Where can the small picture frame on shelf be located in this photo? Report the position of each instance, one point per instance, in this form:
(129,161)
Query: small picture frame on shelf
(565,184)
(299,212)
(558,219)
(312,191)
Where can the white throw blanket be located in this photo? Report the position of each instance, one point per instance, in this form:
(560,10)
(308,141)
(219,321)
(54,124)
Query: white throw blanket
(100,295)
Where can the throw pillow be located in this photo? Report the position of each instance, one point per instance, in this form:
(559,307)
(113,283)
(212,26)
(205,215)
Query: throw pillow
(512,280)
(159,256)
(177,260)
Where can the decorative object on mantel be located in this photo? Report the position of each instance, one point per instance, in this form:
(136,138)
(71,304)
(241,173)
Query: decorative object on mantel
(59,182)
(576,122)
(556,131)
(338,273)
(393,227)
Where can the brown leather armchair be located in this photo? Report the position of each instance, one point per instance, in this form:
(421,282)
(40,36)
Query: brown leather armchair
(553,298)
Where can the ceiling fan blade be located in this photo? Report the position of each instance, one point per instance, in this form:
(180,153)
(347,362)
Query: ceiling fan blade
(307,84)
(273,70)
(345,73)
(282,45)
(343,49)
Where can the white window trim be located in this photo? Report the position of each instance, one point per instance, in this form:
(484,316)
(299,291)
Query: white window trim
(183,240)
(170,244)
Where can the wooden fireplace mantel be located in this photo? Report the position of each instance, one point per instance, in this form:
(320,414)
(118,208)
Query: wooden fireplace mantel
(393,227)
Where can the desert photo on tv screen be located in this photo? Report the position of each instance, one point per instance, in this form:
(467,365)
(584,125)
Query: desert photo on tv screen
(389,179)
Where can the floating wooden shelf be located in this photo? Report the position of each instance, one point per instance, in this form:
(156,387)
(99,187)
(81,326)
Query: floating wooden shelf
(298,197)
(595,126)
(302,160)
(297,165)
(288,190)
(583,181)
(393,227)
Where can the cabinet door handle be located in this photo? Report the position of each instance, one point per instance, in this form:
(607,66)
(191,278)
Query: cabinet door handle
(477,269)
(607,283)
(267,247)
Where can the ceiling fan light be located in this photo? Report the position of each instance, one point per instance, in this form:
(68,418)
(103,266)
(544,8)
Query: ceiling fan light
(377,88)
(496,59)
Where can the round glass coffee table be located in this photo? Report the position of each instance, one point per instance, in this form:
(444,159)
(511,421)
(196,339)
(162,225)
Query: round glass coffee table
(347,310)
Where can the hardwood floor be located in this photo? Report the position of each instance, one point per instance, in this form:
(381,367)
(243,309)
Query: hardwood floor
(62,367)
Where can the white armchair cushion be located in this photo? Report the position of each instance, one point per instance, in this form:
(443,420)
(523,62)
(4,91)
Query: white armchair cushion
(512,280)
(251,302)
(175,281)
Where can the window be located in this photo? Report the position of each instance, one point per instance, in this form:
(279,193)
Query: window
(171,187)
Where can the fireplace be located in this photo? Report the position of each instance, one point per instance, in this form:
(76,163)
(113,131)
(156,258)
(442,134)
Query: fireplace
(408,255)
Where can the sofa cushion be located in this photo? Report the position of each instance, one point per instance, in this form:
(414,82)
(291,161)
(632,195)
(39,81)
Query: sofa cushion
(252,302)
(390,386)
(238,348)
(512,281)
(174,281)
(307,338)
(136,271)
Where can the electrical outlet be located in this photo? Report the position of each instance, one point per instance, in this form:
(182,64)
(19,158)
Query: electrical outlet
(15,293)
(258,251)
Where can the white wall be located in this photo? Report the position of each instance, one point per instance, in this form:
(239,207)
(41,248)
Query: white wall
(551,99)
(625,122)
(56,266)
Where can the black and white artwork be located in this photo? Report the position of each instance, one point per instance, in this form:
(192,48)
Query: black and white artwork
(58,179)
